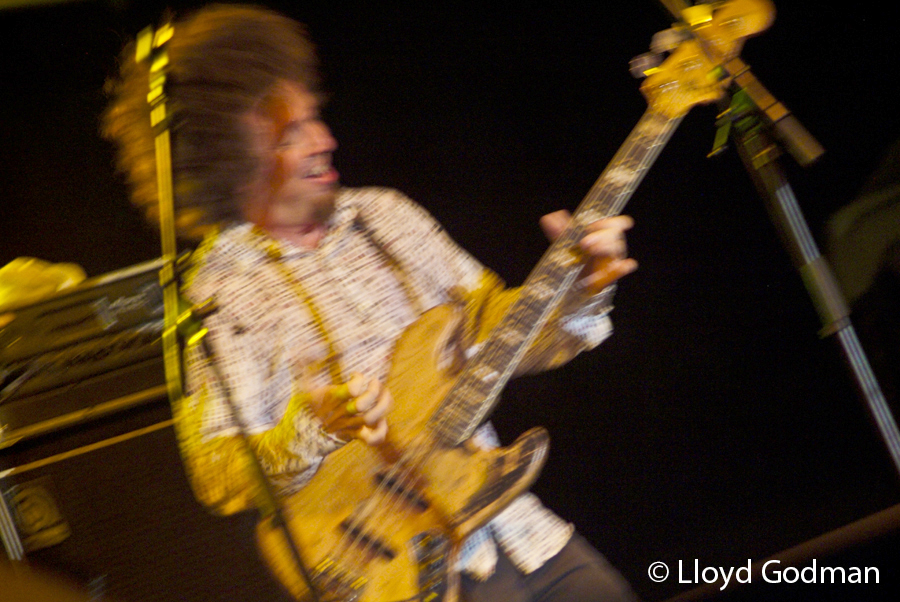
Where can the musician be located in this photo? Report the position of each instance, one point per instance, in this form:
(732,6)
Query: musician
(315,282)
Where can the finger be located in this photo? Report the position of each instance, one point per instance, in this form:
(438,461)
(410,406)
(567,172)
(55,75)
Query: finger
(337,394)
(336,401)
(357,384)
(621,223)
(553,224)
(367,400)
(380,409)
(604,243)
(373,435)
(608,273)
(333,403)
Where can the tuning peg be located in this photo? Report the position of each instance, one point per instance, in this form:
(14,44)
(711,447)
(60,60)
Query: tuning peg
(644,64)
(668,39)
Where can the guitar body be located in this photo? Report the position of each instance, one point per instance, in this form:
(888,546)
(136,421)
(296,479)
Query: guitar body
(378,523)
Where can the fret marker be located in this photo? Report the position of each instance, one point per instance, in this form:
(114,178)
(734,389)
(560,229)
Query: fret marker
(589,216)
(621,176)
(486,374)
(541,289)
(652,127)
(511,337)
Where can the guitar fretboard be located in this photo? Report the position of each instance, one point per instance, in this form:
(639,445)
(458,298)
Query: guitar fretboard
(477,390)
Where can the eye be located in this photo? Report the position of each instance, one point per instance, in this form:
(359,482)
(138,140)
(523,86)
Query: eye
(291,135)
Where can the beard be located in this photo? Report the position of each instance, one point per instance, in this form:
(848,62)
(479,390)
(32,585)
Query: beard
(322,207)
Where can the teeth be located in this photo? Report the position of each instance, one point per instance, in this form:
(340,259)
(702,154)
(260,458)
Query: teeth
(318,171)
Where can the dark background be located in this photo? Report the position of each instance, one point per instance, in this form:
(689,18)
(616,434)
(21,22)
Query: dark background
(715,424)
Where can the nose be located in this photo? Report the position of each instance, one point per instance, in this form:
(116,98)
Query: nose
(320,135)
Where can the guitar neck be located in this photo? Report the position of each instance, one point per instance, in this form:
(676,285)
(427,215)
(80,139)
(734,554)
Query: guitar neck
(477,390)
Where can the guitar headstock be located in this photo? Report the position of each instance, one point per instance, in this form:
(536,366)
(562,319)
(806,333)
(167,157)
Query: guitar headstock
(692,74)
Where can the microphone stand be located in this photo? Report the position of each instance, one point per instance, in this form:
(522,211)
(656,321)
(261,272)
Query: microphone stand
(183,322)
(760,127)
(757,116)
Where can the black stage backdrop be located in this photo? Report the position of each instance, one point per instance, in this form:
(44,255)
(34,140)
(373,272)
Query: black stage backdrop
(714,424)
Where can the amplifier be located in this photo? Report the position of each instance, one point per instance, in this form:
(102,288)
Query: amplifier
(92,486)
(61,357)
(106,504)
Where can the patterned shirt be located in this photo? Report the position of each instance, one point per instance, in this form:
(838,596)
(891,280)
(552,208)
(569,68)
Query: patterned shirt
(286,313)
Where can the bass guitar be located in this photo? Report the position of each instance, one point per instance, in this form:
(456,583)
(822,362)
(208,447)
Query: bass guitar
(386,523)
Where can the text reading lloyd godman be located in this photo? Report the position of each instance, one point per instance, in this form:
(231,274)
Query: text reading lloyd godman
(773,572)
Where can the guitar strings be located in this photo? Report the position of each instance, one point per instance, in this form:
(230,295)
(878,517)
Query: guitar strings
(611,183)
(400,471)
(601,189)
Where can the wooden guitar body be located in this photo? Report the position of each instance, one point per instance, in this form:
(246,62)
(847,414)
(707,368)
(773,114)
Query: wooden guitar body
(377,523)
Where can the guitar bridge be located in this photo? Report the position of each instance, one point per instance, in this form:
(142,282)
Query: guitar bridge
(328,577)
(431,549)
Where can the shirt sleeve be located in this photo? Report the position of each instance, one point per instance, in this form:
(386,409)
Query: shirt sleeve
(220,465)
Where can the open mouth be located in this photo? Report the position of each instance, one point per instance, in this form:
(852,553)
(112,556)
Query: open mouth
(322,170)
(318,171)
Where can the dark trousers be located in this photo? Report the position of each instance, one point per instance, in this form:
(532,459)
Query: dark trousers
(579,573)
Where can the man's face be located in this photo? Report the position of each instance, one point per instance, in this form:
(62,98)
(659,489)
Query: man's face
(296,184)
